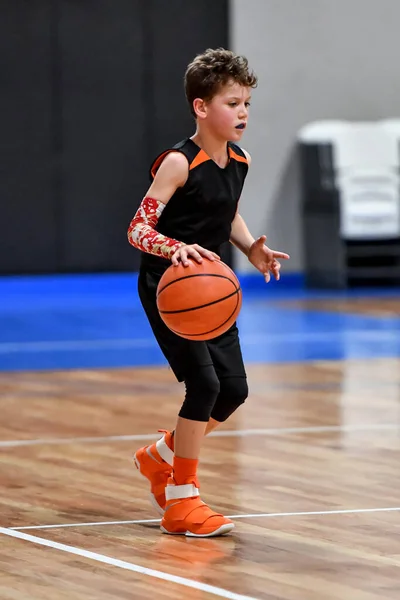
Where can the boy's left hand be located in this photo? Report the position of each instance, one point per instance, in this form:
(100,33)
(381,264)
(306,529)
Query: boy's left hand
(266,260)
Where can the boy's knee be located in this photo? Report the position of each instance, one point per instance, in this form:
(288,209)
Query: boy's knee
(202,390)
(233,393)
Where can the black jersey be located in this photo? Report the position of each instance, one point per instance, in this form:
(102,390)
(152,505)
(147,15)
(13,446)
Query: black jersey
(201,212)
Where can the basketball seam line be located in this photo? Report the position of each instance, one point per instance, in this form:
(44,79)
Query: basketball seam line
(182,310)
(211,330)
(196,275)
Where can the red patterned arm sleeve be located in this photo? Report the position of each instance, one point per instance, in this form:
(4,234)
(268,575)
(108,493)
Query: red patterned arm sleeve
(141,232)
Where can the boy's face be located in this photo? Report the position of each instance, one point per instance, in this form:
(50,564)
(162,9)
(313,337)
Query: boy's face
(227,113)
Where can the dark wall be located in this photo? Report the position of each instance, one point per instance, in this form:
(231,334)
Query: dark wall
(92,90)
(27,217)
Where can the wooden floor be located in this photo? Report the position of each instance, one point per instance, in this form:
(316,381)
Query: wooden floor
(318,438)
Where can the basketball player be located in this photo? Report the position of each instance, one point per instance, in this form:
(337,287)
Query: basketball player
(190,209)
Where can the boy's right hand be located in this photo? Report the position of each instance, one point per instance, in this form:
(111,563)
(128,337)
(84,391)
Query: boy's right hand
(192,251)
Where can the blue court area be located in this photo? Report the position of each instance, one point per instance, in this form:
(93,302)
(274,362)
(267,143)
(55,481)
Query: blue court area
(88,321)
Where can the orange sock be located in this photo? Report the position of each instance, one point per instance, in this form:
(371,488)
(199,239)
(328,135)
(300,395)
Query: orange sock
(185,470)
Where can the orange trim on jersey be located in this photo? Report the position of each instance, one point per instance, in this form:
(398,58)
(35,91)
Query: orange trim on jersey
(158,161)
(199,159)
(232,154)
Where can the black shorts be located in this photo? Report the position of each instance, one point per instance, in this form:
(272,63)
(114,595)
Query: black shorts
(186,356)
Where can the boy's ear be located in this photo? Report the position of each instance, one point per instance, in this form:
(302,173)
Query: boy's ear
(200,108)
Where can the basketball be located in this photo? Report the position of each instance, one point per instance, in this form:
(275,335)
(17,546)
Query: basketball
(200,301)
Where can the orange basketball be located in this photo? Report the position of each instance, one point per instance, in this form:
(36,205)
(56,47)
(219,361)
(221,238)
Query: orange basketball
(200,301)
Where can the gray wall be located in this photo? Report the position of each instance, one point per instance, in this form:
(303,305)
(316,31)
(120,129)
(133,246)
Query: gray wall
(316,59)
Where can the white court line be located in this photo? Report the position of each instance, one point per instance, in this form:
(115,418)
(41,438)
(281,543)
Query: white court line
(355,335)
(228,433)
(249,516)
(121,564)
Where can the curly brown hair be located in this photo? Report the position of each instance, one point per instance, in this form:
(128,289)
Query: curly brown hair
(212,69)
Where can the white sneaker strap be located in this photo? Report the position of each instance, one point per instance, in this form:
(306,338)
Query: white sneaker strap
(165,452)
(175,492)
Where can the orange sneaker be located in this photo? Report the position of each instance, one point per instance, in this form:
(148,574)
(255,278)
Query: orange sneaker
(154,462)
(186,514)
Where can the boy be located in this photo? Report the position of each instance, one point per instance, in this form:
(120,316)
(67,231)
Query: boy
(190,209)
